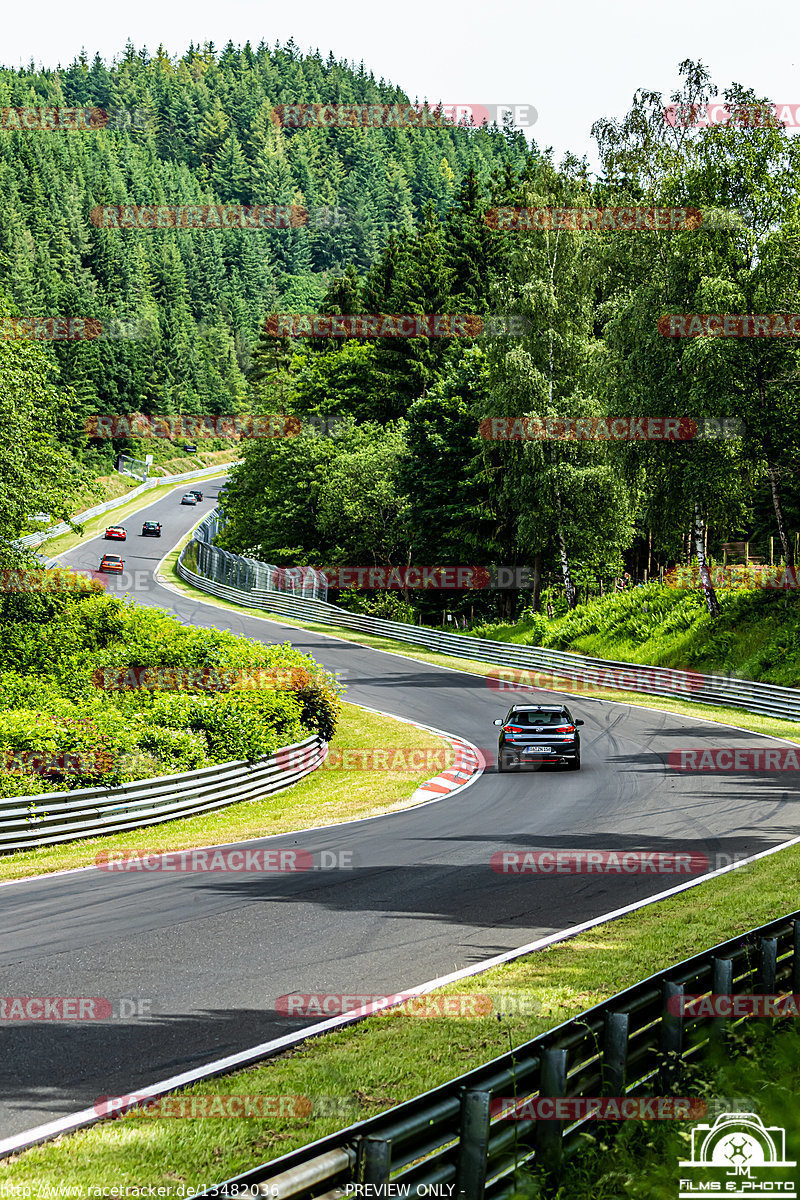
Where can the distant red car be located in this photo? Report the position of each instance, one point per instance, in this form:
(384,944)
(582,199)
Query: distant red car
(112,562)
(117,531)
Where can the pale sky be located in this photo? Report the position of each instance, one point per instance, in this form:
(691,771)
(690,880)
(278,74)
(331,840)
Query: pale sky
(573,61)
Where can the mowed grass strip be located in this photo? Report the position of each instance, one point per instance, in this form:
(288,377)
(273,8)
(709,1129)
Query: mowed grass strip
(349,788)
(391,1057)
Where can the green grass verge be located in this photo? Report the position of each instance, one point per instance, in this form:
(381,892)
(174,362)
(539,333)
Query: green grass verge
(326,797)
(393,1056)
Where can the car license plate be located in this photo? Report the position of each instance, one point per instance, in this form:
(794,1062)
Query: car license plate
(538,750)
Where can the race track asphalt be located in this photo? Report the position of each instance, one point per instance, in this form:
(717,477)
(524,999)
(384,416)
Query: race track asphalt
(211,952)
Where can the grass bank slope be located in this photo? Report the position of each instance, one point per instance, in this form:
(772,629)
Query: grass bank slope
(757,635)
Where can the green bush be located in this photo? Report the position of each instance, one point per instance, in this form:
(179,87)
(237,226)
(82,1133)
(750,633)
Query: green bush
(64,726)
(175,750)
(388,605)
(248,725)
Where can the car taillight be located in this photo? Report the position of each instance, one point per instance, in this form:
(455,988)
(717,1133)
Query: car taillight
(512,729)
(565,729)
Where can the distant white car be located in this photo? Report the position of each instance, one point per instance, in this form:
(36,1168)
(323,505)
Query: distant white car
(189,498)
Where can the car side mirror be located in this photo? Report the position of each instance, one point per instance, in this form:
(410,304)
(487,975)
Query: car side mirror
(497,722)
(580,722)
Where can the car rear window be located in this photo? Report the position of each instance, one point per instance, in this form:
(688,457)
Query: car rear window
(537,718)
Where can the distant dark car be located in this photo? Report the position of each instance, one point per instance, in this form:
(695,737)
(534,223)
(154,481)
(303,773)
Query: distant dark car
(116,531)
(197,495)
(151,529)
(189,498)
(189,448)
(112,562)
(539,733)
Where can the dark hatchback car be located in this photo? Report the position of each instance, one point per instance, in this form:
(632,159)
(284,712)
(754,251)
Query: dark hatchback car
(537,734)
(151,529)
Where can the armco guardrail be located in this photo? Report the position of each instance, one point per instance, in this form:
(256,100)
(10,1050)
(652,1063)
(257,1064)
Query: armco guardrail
(586,674)
(632,1044)
(35,539)
(29,821)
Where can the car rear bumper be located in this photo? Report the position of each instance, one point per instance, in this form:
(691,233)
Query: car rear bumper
(558,752)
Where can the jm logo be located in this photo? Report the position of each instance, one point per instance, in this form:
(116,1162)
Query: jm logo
(737,1155)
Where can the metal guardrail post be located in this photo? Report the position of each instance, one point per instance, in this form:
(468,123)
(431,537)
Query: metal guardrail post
(549,1134)
(374,1160)
(767,965)
(721,985)
(473,1145)
(670,1033)
(615,1052)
